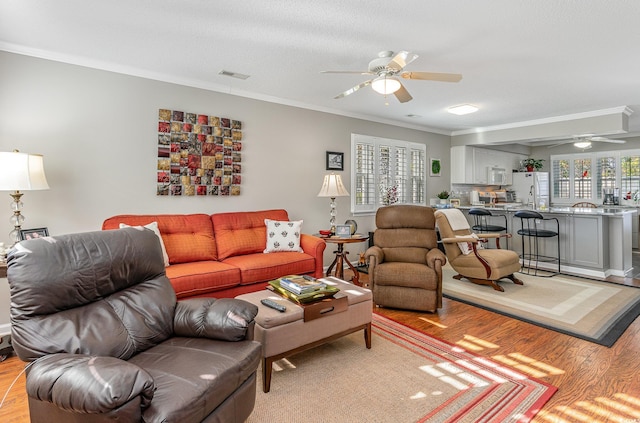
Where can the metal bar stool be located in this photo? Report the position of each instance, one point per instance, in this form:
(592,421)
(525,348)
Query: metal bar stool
(481,221)
(529,228)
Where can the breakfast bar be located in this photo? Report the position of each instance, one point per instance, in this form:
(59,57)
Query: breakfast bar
(594,242)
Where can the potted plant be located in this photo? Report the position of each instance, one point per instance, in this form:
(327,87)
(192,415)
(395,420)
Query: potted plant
(443,195)
(533,164)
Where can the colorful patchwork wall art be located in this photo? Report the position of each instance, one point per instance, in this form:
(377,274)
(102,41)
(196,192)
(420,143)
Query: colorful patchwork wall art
(198,154)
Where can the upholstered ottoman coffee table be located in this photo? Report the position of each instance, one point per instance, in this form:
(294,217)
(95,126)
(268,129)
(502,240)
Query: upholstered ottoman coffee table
(301,328)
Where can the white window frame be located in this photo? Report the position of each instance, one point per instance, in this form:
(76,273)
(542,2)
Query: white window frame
(596,194)
(410,178)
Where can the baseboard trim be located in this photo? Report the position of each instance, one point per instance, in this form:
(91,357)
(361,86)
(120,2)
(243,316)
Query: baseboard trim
(5,329)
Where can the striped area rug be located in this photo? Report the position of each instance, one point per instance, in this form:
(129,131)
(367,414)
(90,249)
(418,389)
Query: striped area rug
(407,376)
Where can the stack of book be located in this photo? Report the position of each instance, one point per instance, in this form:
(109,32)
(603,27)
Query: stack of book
(310,290)
(301,285)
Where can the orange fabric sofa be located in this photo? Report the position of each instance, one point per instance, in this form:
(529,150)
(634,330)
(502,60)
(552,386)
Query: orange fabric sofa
(221,255)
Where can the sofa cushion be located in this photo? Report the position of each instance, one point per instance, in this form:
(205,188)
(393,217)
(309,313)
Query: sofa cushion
(201,277)
(239,233)
(283,236)
(261,267)
(187,237)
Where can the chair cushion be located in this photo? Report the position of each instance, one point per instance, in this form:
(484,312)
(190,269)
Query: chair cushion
(193,376)
(411,275)
(501,262)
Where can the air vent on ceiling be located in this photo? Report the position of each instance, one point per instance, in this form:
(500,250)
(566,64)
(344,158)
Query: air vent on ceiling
(233,74)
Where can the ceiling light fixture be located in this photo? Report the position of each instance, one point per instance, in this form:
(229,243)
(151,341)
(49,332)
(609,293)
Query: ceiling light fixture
(582,144)
(463,109)
(384,85)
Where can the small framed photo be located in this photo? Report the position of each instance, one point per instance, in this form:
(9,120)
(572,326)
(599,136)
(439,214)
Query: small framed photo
(343,231)
(436,167)
(335,161)
(455,202)
(26,234)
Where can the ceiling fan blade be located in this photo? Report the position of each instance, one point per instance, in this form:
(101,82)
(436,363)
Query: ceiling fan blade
(432,76)
(603,139)
(402,59)
(403,95)
(561,143)
(353,72)
(354,89)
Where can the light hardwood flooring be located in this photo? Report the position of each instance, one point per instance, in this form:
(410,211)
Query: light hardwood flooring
(595,383)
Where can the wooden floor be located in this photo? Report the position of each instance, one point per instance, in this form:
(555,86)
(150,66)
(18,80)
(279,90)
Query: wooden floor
(595,383)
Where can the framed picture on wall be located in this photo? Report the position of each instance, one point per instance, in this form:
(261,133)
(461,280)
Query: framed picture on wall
(335,161)
(26,234)
(436,167)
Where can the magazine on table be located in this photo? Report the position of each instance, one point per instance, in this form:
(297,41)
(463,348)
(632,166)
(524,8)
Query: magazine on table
(301,284)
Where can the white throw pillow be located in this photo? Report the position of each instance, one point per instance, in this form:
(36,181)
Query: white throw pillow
(283,236)
(466,247)
(154,227)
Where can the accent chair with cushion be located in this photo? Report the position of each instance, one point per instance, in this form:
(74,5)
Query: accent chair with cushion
(479,265)
(405,264)
(98,320)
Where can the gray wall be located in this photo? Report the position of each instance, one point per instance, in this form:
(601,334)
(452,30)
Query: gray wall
(97,132)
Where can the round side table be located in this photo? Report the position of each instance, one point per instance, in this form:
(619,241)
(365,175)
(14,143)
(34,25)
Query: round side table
(341,256)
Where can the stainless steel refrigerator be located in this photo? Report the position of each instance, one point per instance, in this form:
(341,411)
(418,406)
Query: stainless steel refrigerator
(532,188)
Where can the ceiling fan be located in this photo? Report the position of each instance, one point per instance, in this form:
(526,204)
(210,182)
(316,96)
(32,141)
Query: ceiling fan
(584,141)
(387,68)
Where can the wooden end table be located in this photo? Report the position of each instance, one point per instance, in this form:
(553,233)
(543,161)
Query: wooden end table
(341,257)
(3,269)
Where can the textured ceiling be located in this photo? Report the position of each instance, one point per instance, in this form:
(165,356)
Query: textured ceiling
(520,60)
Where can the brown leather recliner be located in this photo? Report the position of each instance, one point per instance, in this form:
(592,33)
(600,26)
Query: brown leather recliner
(98,319)
(405,264)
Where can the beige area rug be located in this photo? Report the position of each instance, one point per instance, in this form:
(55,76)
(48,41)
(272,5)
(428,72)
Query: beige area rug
(592,310)
(406,376)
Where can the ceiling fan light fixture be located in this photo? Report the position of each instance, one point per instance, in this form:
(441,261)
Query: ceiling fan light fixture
(384,85)
(582,144)
(462,109)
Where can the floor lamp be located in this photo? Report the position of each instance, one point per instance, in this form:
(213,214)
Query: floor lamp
(20,172)
(332,187)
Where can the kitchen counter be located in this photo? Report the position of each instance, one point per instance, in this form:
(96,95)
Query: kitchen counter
(594,242)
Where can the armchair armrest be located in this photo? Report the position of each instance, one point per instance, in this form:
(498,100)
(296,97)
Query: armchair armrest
(374,255)
(88,384)
(225,319)
(435,255)
(314,246)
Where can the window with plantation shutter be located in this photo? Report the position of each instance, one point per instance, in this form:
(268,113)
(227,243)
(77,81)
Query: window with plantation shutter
(386,172)
(630,175)
(584,176)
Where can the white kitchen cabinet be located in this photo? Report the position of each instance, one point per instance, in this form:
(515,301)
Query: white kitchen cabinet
(462,165)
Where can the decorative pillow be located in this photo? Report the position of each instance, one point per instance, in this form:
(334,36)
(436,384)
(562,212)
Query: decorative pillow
(154,227)
(283,236)
(466,247)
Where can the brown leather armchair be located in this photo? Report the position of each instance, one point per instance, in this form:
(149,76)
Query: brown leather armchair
(405,264)
(98,320)
(480,266)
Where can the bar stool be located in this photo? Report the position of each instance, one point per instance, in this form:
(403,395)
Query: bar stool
(529,228)
(481,221)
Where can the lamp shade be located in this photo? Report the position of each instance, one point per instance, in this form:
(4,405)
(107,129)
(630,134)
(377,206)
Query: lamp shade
(22,172)
(332,187)
(384,85)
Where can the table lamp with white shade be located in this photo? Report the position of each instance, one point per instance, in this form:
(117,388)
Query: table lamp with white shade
(20,172)
(333,187)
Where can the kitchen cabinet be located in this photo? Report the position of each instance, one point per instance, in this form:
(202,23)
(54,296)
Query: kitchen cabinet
(470,165)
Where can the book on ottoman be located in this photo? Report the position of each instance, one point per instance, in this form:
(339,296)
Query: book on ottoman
(317,295)
(301,284)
